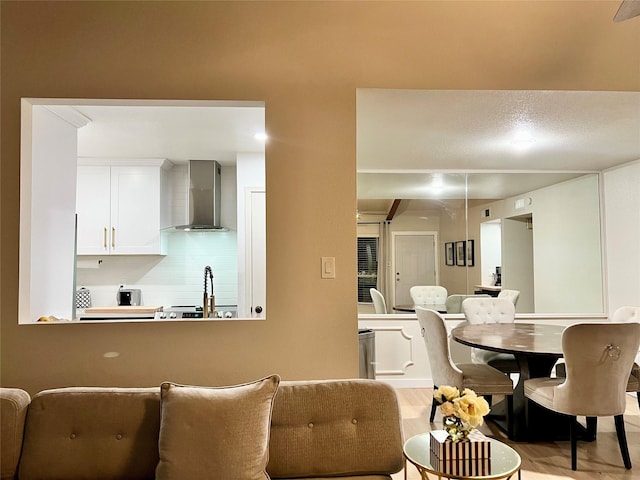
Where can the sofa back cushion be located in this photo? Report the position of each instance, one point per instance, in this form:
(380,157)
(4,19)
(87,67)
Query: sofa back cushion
(13,411)
(92,432)
(216,432)
(335,428)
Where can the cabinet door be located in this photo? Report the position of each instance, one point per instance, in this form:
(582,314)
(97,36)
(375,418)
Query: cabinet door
(135,210)
(93,204)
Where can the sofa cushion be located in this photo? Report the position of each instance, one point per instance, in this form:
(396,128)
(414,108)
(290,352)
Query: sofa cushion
(13,411)
(92,432)
(216,429)
(335,428)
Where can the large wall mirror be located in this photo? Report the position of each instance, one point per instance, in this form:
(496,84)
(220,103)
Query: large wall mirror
(481,191)
(126,203)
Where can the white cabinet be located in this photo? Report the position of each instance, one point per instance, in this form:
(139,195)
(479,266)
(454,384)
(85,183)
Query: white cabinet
(119,209)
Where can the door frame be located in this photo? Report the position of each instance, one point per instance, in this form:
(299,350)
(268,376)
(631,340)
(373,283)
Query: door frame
(252,276)
(436,254)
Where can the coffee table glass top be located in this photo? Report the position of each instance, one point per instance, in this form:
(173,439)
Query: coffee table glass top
(505,461)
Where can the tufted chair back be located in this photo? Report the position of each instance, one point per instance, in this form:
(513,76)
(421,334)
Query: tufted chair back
(489,310)
(454,302)
(428,294)
(512,295)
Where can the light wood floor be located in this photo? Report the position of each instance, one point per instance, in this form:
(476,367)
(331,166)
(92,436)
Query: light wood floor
(600,459)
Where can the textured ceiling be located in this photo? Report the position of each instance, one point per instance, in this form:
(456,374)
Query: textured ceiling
(404,135)
(177,132)
(465,129)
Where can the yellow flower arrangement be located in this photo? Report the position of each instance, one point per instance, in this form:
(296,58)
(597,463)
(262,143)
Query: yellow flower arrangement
(462,412)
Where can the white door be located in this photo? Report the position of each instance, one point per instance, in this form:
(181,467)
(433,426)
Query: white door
(414,263)
(257,287)
(518,271)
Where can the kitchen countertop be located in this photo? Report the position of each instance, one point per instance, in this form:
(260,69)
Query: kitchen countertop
(118,312)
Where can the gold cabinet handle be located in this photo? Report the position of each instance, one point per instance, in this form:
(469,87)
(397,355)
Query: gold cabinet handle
(104,238)
(113,237)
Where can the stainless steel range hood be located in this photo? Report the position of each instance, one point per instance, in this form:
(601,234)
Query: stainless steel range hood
(203,196)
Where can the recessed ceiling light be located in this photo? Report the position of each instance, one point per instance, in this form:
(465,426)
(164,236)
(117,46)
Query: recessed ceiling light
(523,142)
(261,136)
(523,137)
(436,187)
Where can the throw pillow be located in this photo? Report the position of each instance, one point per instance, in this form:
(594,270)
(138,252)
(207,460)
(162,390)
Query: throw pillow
(215,432)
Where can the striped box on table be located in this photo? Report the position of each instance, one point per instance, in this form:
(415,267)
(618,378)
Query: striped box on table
(476,446)
(465,467)
(470,457)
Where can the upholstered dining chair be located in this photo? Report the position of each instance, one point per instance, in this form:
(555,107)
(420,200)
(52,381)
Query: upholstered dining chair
(428,295)
(624,314)
(482,379)
(598,359)
(491,310)
(628,314)
(379,304)
(512,295)
(453,303)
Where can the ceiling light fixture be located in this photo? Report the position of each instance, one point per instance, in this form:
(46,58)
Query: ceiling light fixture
(523,143)
(437,184)
(523,137)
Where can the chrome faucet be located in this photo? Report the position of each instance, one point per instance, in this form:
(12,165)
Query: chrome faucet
(208,302)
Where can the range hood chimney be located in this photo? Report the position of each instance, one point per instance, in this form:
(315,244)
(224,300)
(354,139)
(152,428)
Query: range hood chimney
(203,198)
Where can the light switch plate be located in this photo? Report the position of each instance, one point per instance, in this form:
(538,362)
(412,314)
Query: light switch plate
(328,267)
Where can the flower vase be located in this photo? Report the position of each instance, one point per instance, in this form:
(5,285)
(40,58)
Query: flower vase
(455,428)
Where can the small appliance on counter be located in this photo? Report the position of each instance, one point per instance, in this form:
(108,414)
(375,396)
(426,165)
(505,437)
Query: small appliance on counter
(83,298)
(128,297)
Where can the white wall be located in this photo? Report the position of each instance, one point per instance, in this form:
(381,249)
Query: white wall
(48,219)
(622,234)
(567,247)
(567,244)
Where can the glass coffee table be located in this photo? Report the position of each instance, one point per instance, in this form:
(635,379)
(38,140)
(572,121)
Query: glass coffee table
(504,462)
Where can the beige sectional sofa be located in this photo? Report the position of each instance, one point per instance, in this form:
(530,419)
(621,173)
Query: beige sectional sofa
(314,429)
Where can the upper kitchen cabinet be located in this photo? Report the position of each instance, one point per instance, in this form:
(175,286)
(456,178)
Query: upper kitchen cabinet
(120,207)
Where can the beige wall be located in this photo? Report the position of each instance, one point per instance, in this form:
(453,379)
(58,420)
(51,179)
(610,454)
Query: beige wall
(305,60)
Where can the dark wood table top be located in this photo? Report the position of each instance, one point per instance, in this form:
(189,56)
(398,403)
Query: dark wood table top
(438,307)
(516,338)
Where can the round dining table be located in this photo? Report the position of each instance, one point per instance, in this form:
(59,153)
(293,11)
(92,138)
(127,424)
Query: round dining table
(411,308)
(536,347)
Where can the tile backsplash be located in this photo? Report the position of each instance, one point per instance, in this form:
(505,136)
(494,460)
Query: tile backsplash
(174,279)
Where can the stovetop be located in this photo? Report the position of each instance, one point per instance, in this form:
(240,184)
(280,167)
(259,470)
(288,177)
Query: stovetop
(195,311)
